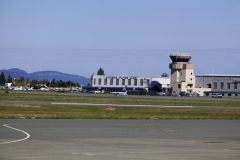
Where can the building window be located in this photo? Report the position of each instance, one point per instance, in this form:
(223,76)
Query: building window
(129,82)
(123,81)
(229,94)
(94,81)
(179,85)
(215,85)
(117,81)
(148,81)
(99,81)
(235,85)
(111,81)
(222,85)
(141,82)
(228,85)
(105,81)
(135,82)
(191,79)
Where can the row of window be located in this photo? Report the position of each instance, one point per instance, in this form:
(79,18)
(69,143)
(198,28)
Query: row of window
(215,85)
(123,83)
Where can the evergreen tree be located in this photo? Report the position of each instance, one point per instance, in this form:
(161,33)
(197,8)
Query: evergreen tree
(34,82)
(164,75)
(21,79)
(100,71)
(60,83)
(53,83)
(9,80)
(2,79)
(28,80)
(69,83)
(48,84)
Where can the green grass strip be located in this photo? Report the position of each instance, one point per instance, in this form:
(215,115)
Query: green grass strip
(93,112)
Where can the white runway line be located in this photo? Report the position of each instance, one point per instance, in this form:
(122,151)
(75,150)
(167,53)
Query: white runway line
(28,135)
(177,106)
(87,104)
(123,105)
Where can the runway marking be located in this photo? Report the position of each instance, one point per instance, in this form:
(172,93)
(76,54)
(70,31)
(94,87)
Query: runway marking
(88,154)
(157,128)
(121,105)
(232,149)
(28,135)
(88,104)
(75,153)
(177,106)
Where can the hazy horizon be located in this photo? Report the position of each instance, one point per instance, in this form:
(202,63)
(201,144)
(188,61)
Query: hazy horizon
(85,62)
(123,37)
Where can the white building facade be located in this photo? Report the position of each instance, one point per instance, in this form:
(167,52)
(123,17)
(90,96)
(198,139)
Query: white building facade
(121,83)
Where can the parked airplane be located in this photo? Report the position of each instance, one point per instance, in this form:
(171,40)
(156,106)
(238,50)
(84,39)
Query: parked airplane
(44,89)
(28,89)
(160,94)
(97,91)
(120,93)
(17,89)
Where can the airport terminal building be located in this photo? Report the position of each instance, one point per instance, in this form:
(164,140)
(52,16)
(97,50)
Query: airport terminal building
(182,80)
(227,85)
(127,83)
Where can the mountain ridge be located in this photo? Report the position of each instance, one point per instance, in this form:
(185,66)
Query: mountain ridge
(47,74)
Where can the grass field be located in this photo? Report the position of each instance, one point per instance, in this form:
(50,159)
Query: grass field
(8,110)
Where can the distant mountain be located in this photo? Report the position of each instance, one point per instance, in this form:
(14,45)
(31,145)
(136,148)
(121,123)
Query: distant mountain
(49,75)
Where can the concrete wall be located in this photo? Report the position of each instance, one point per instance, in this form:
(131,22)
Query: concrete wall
(201,91)
(204,80)
(225,85)
(182,79)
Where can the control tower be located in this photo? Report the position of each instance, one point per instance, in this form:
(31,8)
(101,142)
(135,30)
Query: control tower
(182,73)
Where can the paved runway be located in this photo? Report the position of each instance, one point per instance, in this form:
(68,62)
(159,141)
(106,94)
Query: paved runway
(119,139)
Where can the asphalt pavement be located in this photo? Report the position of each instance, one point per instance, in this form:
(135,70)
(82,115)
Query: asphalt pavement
(119,139)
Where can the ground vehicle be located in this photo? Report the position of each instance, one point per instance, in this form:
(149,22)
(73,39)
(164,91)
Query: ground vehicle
(216,95)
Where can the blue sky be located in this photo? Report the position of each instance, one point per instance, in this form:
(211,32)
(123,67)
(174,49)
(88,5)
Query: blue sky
(132,37)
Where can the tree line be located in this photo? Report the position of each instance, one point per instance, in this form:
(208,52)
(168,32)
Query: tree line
(53,83)
(34,82)
(101,72)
